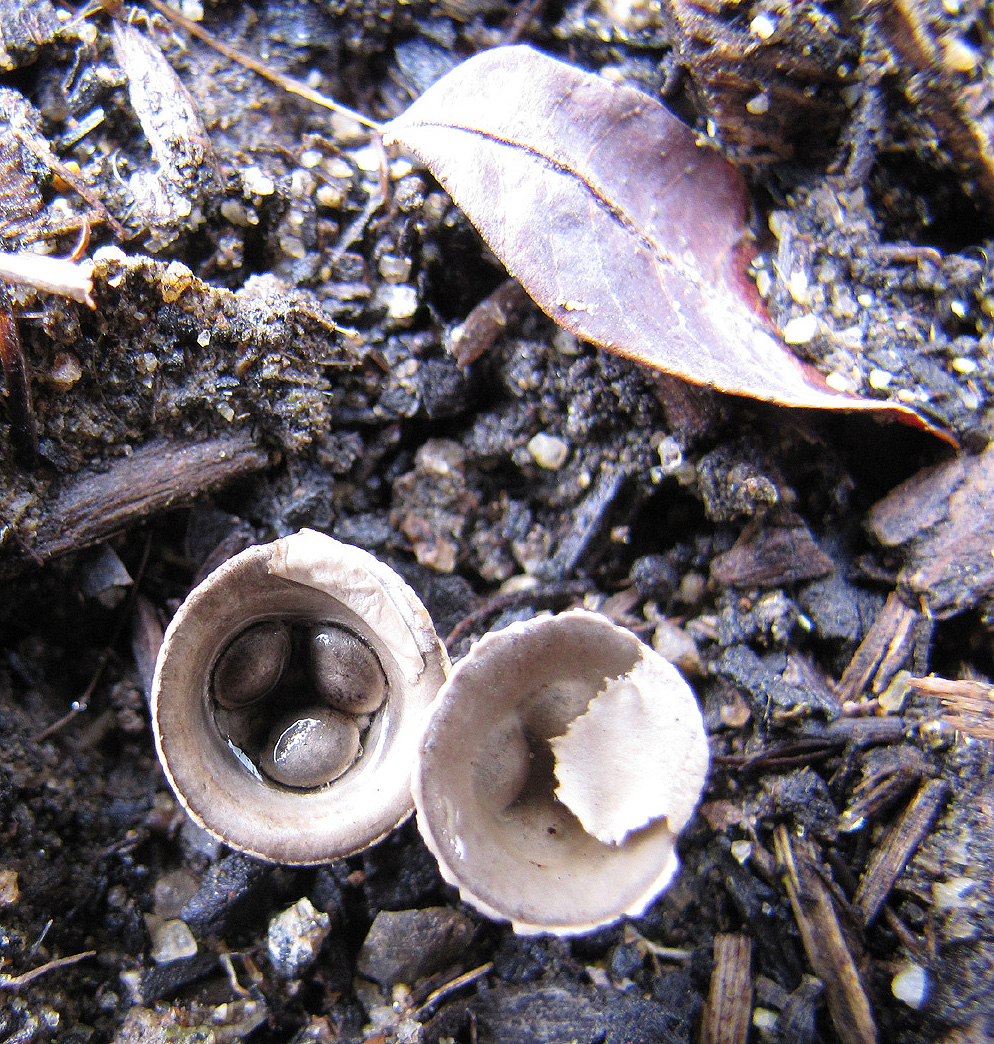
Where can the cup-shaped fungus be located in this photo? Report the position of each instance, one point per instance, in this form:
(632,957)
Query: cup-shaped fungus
(289,697)
(559,763)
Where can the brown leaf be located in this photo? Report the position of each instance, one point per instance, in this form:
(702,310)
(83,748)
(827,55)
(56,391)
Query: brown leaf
(617,223)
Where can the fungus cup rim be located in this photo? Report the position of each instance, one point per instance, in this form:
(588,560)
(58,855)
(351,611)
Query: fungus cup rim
(519,877)
(307,577)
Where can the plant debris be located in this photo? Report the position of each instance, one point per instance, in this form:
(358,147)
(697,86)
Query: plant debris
(629,256)
(311,333)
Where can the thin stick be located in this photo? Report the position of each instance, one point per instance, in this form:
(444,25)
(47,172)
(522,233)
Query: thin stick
(451,986)
(288,83)
(13,982)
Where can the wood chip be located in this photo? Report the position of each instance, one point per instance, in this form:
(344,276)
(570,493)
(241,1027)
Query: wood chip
(888,640)
(971,703)
(161,474)
(824,944)
(771,557)
(941,517)
(478,332)
(728,1011)
(898,846)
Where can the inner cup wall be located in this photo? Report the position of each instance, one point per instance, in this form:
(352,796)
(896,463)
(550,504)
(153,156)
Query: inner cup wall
(531,862)
(255,814)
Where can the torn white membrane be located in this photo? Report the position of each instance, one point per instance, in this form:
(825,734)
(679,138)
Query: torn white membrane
(631,757)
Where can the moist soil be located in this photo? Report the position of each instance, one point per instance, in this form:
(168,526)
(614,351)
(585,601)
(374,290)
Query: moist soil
(274,345)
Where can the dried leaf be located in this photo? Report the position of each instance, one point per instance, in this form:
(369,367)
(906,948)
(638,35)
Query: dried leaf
(617,223)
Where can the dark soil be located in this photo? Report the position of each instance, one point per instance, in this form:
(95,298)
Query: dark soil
(271,354)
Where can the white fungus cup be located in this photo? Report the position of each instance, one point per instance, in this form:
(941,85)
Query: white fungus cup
(269,755)
(559,763)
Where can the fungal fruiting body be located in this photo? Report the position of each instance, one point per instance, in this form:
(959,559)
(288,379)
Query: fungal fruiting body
(288,699)
(560,761)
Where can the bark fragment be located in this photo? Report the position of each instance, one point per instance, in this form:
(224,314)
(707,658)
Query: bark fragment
(772,556)
(942,518)
(897,848)
(729,1004)
(824,943)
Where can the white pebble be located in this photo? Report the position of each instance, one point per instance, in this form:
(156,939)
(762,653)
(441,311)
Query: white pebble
(763,26)
(758,104)
(879,379)
(172,941)
(801,329)
(548,451)
(838,382)
(401,300)
(910,985)
(742,851)
(257,182)
(295,937)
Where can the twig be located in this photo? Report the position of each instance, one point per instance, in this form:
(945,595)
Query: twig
(161,474)
(14,982)
(898,846)
(288,83)
(824,943)
(451,986)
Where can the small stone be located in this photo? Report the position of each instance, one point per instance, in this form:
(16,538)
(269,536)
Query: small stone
(176,279)
(801,329)
(758,104)
(407,945)
(173,890)
(332,194)
(765,1021)
(763,26)
(401,301)
(256,182)
(394,269)
(879,379)
(742,851)
(838,382)
(172,941)
(9,890)
(910,985)
(548,451)
(66,371)
(673,643)
(295,937)
(368,158)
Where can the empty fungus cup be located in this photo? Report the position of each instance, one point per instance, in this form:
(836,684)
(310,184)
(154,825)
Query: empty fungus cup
(289,696)
(560,761)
